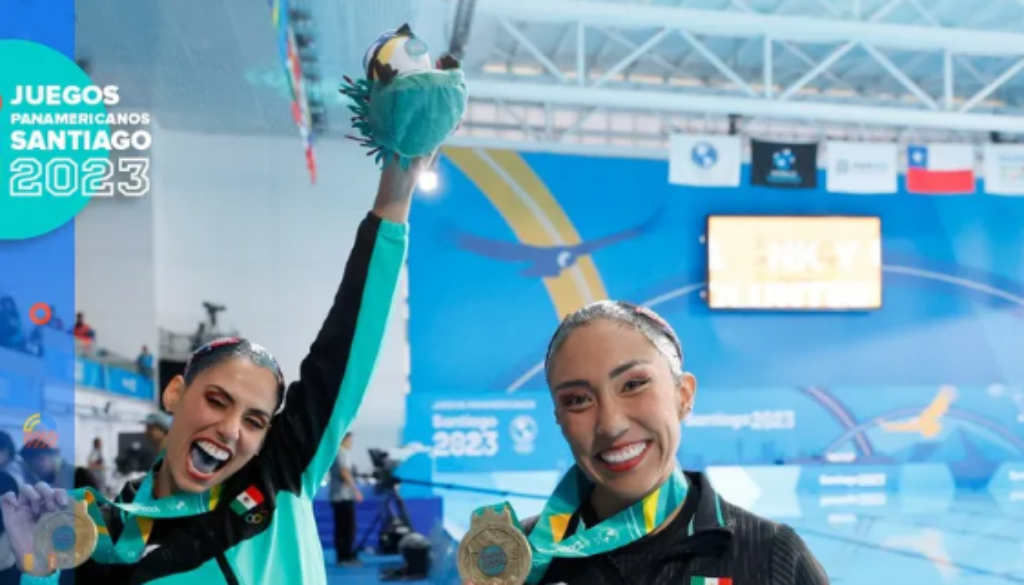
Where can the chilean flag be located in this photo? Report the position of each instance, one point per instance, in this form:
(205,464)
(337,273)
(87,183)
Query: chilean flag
(940,169)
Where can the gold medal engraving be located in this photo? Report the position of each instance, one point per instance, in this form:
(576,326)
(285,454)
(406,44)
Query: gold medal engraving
(494,551)
(65,539)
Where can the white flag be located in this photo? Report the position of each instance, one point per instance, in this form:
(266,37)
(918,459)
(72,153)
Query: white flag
(862,167)
(704,160)
(1004,169)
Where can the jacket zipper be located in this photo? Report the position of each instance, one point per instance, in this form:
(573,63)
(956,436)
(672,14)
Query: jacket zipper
(229,573)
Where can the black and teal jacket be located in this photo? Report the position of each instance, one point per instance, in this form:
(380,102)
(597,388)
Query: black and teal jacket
(709,541)
(276,542)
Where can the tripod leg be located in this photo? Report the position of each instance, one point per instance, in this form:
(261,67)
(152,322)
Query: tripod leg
(403,514)
(373,527)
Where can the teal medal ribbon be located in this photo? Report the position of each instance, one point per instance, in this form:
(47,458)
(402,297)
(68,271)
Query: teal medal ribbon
(138,518)
(548,541)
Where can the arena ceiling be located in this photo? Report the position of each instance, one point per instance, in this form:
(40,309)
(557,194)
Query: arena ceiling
(599,75)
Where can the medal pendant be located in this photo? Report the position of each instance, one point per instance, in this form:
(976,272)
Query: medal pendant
(494,551)
(65,539)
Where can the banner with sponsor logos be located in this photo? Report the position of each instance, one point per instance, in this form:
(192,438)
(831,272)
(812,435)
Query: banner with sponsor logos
(783,165)
(705,160)
(485,433)
(862,168)
(97,376)
(973,430)
(1004,169)
(893,439)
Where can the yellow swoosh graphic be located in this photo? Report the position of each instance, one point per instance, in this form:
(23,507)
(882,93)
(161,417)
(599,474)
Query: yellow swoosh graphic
(535,217)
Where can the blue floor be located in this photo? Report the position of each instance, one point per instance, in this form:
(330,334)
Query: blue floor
(971,538)
(368,573)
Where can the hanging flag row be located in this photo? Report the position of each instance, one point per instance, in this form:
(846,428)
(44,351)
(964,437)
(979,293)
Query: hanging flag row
(851,167)
(288,49)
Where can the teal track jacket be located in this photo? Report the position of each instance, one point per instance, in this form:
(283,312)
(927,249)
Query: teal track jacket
(276,542)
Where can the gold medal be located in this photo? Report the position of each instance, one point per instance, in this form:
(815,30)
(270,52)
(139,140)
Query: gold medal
(65,539)
(494,551)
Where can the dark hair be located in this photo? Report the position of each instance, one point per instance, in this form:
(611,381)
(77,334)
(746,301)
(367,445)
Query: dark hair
(647,322)
(7,443)
(85,478)
(225,349)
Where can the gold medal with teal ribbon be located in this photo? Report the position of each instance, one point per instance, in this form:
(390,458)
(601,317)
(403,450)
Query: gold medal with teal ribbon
(138,518)
(64,539)
(548,539)
(495,550)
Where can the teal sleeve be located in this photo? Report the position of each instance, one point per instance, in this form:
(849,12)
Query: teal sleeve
(336,373)
(53,579)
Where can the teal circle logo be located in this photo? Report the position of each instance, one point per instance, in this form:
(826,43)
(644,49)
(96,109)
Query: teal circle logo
(492,560)
(54,140)
(415,47)
(63,539)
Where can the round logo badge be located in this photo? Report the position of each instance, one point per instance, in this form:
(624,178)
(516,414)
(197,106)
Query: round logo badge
(415,47)
(704,155)
(53,156)
(492,561)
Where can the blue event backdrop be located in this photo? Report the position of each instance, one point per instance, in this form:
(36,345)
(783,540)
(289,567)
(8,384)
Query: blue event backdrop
(38,270)
(512,241)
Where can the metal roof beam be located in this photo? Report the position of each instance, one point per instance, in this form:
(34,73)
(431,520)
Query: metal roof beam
(743,24)
(666,101)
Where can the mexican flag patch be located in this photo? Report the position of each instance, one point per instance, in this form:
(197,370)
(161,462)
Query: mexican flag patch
(711,581)
(247,500)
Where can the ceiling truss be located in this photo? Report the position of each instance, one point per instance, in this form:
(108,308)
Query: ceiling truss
(565,96)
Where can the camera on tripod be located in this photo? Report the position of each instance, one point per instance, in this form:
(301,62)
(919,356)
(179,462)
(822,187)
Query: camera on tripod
(211,313)
(396,535)
(384,467)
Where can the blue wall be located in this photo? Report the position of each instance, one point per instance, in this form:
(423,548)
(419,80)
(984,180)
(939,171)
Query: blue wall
(487,291)
(479,323)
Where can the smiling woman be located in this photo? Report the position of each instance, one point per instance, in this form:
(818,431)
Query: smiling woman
(229,499)
(230,379)
(626,513)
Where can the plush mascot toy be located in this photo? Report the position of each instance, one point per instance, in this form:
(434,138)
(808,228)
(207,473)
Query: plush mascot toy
(407,105)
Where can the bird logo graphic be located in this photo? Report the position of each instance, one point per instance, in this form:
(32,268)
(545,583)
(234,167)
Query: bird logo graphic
(929,423)
(544,261)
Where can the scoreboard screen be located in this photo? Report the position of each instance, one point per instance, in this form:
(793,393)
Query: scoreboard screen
(794,263)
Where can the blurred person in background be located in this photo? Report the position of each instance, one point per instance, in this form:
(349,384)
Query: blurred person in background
(42,463)
(9,574)
(245,453)
(96,463)
(8,451)
(157,426)
(12,336)
(85,335)
(344,496)
(144,363)
(135,459)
